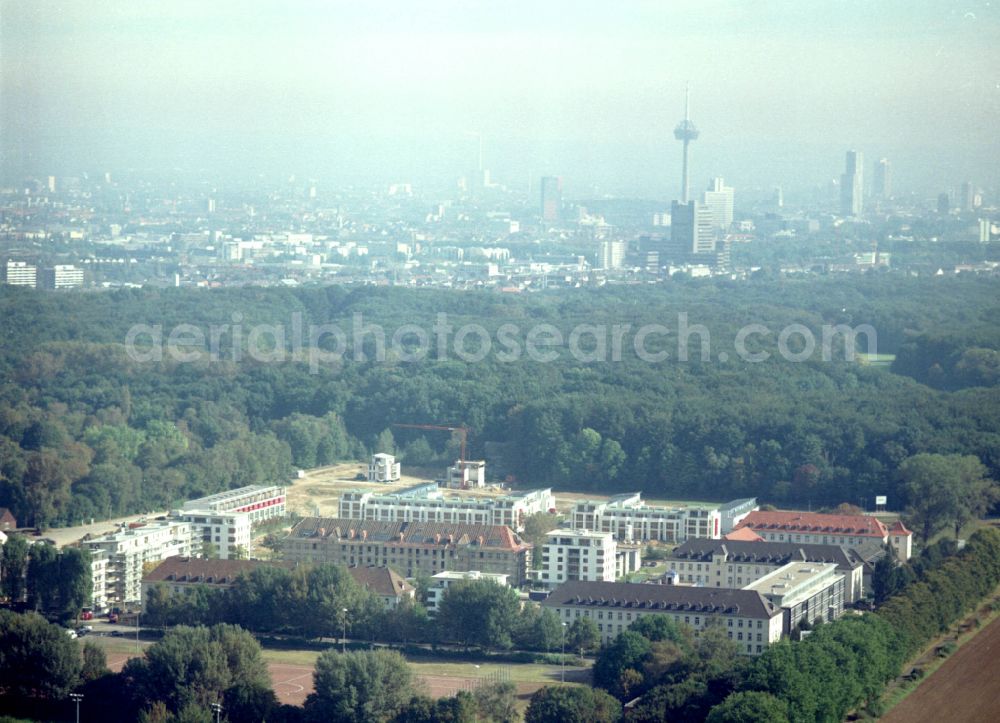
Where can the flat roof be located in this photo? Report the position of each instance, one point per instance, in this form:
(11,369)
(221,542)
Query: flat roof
(793,579)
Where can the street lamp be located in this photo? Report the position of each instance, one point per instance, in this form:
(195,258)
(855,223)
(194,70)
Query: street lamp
(343,640)
(77,697)
(562,657)
(217,707)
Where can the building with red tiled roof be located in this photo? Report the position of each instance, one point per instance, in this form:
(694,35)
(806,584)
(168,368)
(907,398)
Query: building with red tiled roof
(409,547)
(743,534)
(823,529)
(180,573)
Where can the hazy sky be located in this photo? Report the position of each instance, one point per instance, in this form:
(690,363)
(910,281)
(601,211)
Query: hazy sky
(369,90)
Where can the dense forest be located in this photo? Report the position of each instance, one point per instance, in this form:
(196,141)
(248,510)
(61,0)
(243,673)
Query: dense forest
(86,430)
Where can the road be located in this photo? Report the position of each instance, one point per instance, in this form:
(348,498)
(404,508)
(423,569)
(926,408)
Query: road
(68,535)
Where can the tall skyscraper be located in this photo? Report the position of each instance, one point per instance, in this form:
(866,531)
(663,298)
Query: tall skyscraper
(719,200)
(692,232)
(685,131)
(551,198)
(851,185)
(943,203)
(968,196)
(883,179)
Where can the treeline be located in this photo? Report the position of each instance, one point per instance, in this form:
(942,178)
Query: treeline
(309,602)
(190,670)
(40,577)
(955,359)
(846,664)
(839,667)
(86,431)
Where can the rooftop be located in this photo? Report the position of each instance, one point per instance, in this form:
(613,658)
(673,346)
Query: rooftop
(382,581)
(663,598)
(743,534)
(204,571)
(814,522)
(231,494)
(408,533)
(766,552)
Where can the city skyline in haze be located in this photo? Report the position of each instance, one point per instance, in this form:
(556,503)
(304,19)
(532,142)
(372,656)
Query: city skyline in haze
(590,92)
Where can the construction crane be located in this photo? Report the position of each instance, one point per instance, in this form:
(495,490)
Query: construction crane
(463,433)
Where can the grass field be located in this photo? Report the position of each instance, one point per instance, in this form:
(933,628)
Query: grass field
(877,360)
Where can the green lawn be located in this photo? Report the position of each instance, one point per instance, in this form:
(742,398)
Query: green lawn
(877,360)
(516,672)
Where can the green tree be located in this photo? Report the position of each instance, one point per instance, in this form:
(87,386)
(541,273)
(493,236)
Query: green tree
(572,705)
(75,585)
(196,667)
(497,702)
(945,490)
(538,525)
(460,708)
(886,579)
(582,634)
(749,707)
(14,567)
(626,652)
(37,658)
(478,612)
(359,686)
(43,577)
(95,662)
(385,443)
(538,628)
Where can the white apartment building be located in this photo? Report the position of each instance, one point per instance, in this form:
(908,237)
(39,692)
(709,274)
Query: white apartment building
(465,474)
(427,503)
(99,580)
(805,592)
(443,580)
(62,276)
(261,502)
(577,555)
(629,519)
(384,468)
(128,549)
(228,534)
(226,520)
(20,273)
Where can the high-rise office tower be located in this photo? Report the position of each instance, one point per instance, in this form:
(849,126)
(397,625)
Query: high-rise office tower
(883,179)
(943,203)
(968,196)
(692,232)
(685,131)
(551,198)
(719,200)
(851,185)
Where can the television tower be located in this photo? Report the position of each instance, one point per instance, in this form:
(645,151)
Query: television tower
(685,131)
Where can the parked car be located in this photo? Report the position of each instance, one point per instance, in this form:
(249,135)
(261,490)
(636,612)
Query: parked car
(87,614)
(116,633)
(71,633)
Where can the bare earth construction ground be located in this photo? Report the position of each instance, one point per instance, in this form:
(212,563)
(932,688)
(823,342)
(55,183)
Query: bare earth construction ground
(966,688)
